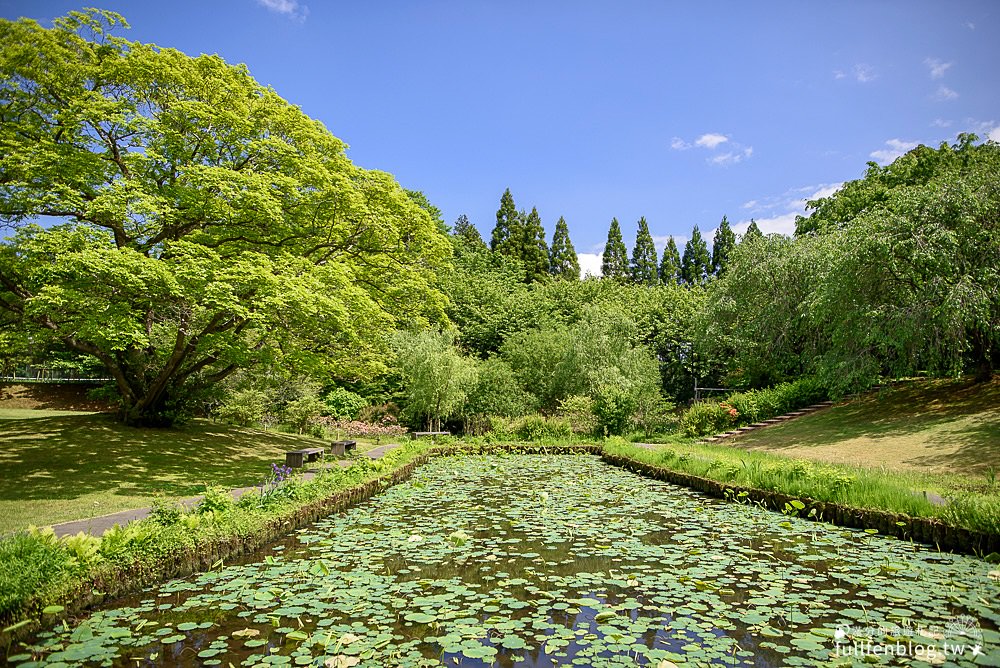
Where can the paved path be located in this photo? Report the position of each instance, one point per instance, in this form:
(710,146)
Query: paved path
(96,526)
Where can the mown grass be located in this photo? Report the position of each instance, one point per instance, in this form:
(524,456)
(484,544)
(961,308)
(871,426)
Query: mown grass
(58,466)
(948,427)
(37,569)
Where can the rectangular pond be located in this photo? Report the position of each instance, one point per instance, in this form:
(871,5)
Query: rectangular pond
(535,560)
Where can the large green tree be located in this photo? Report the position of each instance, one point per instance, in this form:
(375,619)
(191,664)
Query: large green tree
(563,262)
(696,263)
(614,260)
(200,223)
(722,247)
(467,236)
(437,377)
(508,234)
(670,265)
(534,251)
(643,267)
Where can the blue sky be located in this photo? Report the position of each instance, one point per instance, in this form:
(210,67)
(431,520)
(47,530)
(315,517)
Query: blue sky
(679,112)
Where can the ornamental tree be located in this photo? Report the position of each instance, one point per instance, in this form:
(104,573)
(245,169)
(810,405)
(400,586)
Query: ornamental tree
(193,223)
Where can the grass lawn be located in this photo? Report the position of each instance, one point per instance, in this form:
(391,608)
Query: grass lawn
(947,428)
(57,466)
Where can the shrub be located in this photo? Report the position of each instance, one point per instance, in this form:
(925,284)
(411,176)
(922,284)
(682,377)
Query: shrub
(537,427)
(245,407)
(578,410)
(708,417)
(342,404)
(613,407)
(216,499)
(303,412)
(30,561)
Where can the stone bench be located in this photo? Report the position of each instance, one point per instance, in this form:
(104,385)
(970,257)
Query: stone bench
(297,458)
(342,447)
(418,434)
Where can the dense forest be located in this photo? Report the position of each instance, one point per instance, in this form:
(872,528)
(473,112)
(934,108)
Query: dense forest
(182,229)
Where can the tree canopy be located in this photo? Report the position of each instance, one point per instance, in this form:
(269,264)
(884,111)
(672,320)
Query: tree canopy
(614,260)
(643,267)
(563,262)
(199,223)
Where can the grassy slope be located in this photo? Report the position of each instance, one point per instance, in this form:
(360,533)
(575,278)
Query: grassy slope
(948,428)
(56,466)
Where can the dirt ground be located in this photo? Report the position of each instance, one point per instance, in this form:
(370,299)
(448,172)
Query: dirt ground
(49,396)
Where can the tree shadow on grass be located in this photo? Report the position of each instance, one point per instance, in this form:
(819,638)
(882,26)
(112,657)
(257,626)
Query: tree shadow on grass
(67,457)
(961,416)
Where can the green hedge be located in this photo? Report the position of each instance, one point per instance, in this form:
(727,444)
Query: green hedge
(742,408)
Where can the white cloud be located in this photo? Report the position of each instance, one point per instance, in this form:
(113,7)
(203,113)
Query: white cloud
(290,8)
(711,140)
(749,205)
(994,134)
(839,74)
(896,148)
(970,25)
(945,93)
(783,224)
(864,73)
(590,264)
(732,157)
(941,123)
(936,67)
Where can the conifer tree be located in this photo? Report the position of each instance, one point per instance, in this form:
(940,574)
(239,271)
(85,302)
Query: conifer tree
(643,266)
(753,232)
(696,262)
(563,262)
(722,247)
(468,234)
(614,261)
(670,266)
(508,234)
(534,250)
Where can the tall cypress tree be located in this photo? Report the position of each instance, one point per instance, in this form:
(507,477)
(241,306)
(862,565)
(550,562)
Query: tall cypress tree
(467,233)
(722,247)
(563,262)
(614,261)
(670,267)
(753,232)
(643,266)
(534,250)
(696,262)
(508,234)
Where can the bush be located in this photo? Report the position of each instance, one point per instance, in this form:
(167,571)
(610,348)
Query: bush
(537,428)
(303,412)
(216,500)
(613,407)
(30,561)
(245,408)
(578,410)
(751,406)
(342,404)
(708,417)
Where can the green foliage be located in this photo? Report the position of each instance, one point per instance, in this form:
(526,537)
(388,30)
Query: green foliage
(708,417)
(244,407)
(342,404)
(303,412)
(614,406)
(494,392)
(538,428)
(563,262)
(508,234)
(437,376)
(643,267)
(696,263)
(670,265)
(535,252)
(467,236)
(753,234)
(201,235)
(30,562)
(166,512)
(722,247)
(215,500)
(578,411)
(614,260)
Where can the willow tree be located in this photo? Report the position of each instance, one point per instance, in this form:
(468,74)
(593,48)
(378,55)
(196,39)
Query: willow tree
(193,222)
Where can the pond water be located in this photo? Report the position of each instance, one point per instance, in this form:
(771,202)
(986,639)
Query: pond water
(533,560)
